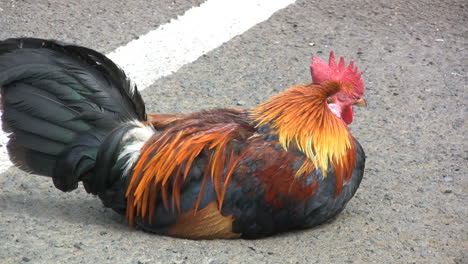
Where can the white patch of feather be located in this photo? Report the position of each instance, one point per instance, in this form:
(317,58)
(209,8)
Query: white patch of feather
(132,85)
(132,143)
(335,109)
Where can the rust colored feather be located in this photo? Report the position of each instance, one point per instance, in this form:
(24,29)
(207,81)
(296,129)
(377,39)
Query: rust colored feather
(207,223)
(276,173)
(161,121)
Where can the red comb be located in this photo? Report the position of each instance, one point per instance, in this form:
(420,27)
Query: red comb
(321,71)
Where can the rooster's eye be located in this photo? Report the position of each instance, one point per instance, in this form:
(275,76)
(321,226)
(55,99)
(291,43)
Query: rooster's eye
(342,97)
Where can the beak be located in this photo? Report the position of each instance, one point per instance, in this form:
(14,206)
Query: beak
(360,102)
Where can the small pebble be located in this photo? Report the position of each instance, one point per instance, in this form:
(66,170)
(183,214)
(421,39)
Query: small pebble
(78,245)
(388,196)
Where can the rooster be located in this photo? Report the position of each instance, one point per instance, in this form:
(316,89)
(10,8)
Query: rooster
(289,163)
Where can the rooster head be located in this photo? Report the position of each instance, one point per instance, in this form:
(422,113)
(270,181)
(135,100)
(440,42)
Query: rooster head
(341,104)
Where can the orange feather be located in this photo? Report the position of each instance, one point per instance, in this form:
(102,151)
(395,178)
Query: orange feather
(301,118)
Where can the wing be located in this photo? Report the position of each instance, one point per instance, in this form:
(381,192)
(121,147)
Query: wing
(273,190)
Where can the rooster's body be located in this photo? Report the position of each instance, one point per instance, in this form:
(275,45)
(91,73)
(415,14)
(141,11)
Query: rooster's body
(289,163)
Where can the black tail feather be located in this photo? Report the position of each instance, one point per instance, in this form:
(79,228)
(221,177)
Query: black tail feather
(59,102)
(30,160)
(86,71)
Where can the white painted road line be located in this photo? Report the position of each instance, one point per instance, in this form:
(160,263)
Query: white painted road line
(200,30)
(183,40)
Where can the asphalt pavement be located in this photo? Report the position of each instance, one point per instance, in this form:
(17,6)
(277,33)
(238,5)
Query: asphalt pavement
(412,204)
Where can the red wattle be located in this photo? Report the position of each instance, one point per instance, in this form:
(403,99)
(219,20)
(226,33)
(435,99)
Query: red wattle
(347,114)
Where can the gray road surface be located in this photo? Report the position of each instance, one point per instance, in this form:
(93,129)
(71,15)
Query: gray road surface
(412,204)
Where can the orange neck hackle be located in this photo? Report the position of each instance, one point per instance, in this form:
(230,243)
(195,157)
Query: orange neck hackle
(301,119)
